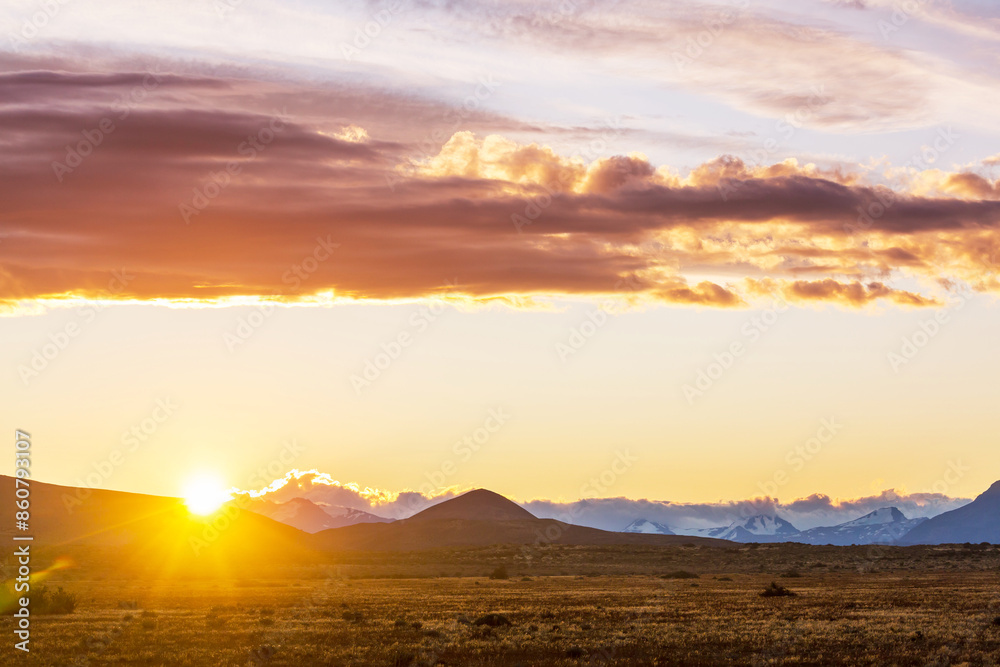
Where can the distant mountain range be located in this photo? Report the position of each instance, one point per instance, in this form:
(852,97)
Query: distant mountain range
(979,521)
(154,532)
(883,526)
(306,515)
(482,518)
(757,528)
(888,525)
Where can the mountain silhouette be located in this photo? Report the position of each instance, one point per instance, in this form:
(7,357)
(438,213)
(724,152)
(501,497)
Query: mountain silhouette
(979,521)
(482,518)
(883,526)
(476,505)
(151,534)
(306,515)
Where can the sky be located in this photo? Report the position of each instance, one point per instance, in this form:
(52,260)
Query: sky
(651,251)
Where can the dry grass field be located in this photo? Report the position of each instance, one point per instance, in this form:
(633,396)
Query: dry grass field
(566,606)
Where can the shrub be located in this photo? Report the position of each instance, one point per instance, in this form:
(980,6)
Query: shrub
(775,590)
(575,652)
(679,574)
(493,620)
(500,573)
(791,574)
(404,659)
(46,601)
(996,621)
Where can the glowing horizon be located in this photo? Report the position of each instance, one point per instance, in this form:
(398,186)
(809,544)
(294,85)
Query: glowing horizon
(681,252)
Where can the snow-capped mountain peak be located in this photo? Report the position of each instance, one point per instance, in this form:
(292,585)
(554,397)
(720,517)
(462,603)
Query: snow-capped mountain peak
(877,518)
(762,524)
(756,528)
(648,527)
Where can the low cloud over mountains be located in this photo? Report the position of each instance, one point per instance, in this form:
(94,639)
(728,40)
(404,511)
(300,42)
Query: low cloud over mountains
(616,513)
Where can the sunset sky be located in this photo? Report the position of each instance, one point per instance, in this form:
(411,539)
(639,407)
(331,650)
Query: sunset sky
(747,248)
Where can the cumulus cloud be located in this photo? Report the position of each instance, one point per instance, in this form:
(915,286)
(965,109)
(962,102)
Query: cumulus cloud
(324,490)
(204,191)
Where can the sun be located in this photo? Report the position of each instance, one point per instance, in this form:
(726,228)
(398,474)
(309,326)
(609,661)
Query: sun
(205,493)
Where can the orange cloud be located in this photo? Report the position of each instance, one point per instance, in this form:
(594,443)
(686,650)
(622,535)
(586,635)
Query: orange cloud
(207,193)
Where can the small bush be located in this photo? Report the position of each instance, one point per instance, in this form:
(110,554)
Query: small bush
(46,601)
(996,621)
(679,574)
(575,652)
(791,574)
(493,620)
(775,590)
(404,659)
(500,573)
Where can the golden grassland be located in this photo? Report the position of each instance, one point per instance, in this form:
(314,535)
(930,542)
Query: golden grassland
(565,605)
